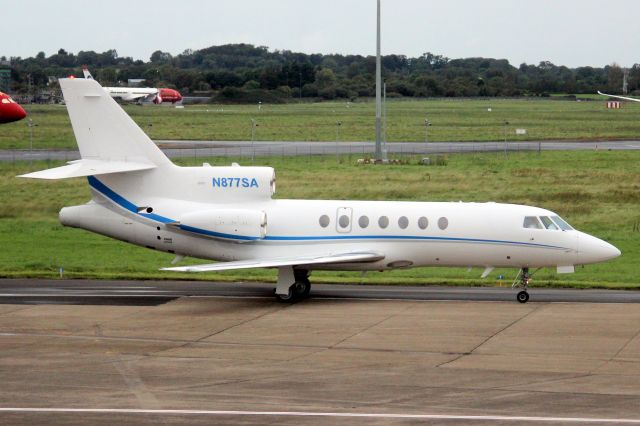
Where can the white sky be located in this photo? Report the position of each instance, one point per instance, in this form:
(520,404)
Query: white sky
(565,32)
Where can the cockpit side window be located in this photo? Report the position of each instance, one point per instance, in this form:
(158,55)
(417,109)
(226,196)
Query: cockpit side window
(548,223)
(561,223)
(532,222)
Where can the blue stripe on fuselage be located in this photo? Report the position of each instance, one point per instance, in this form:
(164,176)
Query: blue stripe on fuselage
(128,205)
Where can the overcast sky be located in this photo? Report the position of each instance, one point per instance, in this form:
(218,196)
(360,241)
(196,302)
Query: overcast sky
(565,32)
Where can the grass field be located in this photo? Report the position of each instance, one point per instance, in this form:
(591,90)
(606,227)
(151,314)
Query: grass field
(597,192)
(452,120)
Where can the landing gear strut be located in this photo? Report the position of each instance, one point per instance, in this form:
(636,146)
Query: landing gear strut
(287,292)
(522,281)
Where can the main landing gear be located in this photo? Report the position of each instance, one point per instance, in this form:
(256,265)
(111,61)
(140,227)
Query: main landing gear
(293,284)
(522,281)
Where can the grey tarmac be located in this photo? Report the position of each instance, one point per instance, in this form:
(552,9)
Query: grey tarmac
(151,292)
(228,353)
(203,149)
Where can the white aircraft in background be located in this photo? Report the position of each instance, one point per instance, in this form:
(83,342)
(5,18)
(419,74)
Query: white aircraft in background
(626,98)
(228,214)
(140,94)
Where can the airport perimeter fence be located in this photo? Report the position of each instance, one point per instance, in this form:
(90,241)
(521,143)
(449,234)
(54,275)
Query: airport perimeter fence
(343,151)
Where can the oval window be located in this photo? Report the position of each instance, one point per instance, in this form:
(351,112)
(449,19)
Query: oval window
(343,221)
(443,223)
(363,221)
(423,222)
(324,220)
(383,222)
(403,222)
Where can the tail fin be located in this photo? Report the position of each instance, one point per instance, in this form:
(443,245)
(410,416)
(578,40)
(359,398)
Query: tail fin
(108,139)
(86,73)
(102,129)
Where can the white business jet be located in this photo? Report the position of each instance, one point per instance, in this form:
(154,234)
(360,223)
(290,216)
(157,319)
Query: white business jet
(228,214)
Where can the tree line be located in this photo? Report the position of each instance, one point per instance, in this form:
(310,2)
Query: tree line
(246,73)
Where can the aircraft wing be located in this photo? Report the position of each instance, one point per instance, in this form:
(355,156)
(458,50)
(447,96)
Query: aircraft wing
(349,257)
(626,98)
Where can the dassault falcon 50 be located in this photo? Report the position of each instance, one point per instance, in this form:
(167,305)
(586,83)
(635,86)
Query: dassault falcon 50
(228,214)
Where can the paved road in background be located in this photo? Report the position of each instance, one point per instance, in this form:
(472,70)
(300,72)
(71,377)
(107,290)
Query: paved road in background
(93,292)
(202,149)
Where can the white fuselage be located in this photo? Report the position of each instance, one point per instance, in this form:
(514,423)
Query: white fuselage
(132,94)
(413,233)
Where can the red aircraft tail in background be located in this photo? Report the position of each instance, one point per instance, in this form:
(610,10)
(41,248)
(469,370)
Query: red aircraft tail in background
(10,110)
(168,95)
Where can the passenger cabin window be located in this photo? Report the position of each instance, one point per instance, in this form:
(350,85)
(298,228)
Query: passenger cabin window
(532,222)
(443,223)
(363,221)
(344,221)
(383,222)
(423,222)
(403,222)
(548,223)
(561,223)
(324,220)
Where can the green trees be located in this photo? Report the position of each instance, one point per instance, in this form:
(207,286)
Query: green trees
(285,74)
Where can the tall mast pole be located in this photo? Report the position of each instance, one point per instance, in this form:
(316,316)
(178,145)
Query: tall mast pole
(379,156)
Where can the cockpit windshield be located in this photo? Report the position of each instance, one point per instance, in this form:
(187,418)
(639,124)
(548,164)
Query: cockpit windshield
(562,223)
(548,223)
(532,222)
(554,223)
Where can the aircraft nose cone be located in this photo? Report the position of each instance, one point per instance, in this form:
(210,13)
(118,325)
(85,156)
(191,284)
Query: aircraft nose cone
(20,112)
(594,250)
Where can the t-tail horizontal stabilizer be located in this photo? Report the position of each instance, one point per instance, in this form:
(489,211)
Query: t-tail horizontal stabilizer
(81,168)
(108,139)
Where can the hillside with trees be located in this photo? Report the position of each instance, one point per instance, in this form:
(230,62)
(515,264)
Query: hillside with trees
(244,73)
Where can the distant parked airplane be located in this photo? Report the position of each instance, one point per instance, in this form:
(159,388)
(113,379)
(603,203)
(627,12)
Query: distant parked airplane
(10,110)
(228,214)
(140,94)
(626,98)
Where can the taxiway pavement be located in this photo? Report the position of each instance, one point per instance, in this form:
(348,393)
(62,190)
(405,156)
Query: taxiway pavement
(203,149)
(201,357)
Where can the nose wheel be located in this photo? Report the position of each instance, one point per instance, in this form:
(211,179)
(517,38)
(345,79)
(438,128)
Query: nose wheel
(522,296)
(522,281)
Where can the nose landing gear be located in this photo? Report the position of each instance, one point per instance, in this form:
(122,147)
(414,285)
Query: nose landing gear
(522,281)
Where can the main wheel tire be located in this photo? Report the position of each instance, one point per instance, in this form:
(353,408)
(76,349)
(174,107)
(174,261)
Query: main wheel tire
(302,288)
(522,297)
(287,298)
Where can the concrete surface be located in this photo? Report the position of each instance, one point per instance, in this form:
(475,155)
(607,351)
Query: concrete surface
(153,292)
(357,357)
(204,149)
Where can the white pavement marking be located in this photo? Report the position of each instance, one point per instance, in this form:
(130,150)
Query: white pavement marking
(71,295)
(319,414)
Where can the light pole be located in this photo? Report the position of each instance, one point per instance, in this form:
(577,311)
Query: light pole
(379,155)
(427,123)
(338,124)
(253,135)
(506,123)
(30,124)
